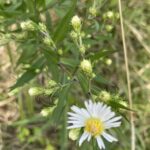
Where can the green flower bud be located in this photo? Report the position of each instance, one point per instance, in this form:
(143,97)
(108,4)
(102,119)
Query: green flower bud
(28,25)
(104,96)
(110,14)
(52,83)
(37,71)
(76,23)
(42,27)
(35,91)
(86,67)
(124,103)
(47,111)
(48,91)
(93,11)
(109,28)
(82,49)
(21,36)
(74,134)
(47,41)
(108,62)
(60,52)
(74,35)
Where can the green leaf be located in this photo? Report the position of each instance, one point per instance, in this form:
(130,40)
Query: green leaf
(27,53)
(69,62)
(101,79)
(83,82)
(30,73)
(116,105)
(64,25)
(100,54)
(61,104)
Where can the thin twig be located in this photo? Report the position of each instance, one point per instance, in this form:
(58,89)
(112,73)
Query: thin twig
(128,78)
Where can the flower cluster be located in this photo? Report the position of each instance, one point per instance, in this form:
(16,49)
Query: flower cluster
(77,35)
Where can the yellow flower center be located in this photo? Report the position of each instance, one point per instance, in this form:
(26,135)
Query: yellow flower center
(94,126)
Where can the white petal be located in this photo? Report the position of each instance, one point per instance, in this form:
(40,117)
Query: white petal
(114,119)
(112,125)
(76,116)
(83,138)
(89,137)
(75,122)
(89,106)
(85,112)
(100,142)
(75,126)
(76,109)
(110,115)
(108,137)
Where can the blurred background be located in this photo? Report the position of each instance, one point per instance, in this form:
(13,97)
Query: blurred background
(25,64)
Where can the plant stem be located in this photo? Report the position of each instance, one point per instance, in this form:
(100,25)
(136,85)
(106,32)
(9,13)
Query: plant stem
(128,79)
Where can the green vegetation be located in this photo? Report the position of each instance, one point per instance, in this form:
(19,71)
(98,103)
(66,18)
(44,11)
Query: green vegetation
(59,53)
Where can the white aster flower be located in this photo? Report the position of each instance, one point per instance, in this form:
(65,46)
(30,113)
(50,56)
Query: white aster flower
(95,119)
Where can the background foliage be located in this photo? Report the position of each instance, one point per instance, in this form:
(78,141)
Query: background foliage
(26,61)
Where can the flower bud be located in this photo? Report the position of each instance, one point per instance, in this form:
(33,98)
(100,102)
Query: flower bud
(52,83)
(35,91)
(108,62)
(74,134)
(93,11)
(86,67)
(76,23)
(110,14)
(74,35)
(42,27)
(47,41)
(28,25)
(104,96)
(47,111)
(109,28)
(60,52)
(48,91)
(82,49)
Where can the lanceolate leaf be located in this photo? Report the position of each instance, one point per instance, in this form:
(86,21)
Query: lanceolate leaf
(30,73)
(101,54)
(64,25)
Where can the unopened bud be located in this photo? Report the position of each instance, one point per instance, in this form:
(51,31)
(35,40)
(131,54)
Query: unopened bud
(48,41)
(52,83)
(74,35)
(60,52)
(28,25)
(110,14)
(104,96)
(47,111)
(74,134)
(82,49)
(93,11)
(48,91)
(109,28)
(35,91)
(108,62)
(76,23)
(42,27)
(86,67)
